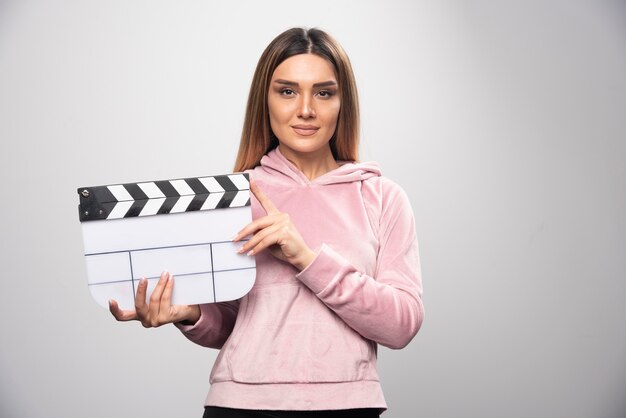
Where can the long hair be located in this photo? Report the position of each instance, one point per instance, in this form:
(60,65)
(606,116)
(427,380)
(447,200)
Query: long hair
(257,137)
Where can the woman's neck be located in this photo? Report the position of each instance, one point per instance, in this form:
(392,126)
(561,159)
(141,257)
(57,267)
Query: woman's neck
(313,164)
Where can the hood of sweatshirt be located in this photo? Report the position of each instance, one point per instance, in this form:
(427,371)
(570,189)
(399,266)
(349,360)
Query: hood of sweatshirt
(348,172)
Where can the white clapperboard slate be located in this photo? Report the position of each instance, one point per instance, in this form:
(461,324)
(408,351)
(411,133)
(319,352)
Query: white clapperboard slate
(184,226)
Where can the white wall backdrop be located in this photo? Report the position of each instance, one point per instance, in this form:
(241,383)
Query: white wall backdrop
(504,122)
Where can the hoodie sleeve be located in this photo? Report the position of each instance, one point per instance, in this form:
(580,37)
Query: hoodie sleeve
(216,322)
(386,307)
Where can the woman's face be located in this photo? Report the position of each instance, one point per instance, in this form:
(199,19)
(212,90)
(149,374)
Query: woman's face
(303,101)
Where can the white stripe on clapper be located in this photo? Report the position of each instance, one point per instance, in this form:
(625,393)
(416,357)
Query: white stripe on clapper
(212,201)
(120,193)
(151,190)
(211,184)
(120,209)
(182,187)
(152,207)
(240,199)
(240,181)
(182,204)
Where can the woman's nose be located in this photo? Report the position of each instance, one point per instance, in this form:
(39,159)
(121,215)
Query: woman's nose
(306,110)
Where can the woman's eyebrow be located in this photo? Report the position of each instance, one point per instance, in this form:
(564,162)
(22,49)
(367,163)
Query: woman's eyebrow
(294,84)
(329,83)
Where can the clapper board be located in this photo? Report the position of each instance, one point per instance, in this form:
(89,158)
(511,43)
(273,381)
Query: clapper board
(184,226)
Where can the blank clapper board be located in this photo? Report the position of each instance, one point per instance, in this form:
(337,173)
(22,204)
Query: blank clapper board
(184,226)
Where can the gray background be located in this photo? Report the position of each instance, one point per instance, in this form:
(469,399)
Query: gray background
(504,121)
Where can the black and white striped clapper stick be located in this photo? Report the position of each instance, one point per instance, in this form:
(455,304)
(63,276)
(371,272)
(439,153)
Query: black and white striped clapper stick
(184,226)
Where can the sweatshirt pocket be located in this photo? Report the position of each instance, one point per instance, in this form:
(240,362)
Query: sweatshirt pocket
(291,337)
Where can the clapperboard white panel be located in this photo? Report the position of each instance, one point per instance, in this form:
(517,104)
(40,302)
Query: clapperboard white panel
(183,226)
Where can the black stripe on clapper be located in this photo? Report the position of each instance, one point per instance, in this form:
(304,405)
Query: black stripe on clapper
(135,208)
(167,205)
(139,197)
(167,188)
(196,185)
(135,191)
(201,194)
(226,200)
(102,194)
(197,202)
(226,183)
(171,195)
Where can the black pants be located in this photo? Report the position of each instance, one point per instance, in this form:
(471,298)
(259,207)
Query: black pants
(217,412)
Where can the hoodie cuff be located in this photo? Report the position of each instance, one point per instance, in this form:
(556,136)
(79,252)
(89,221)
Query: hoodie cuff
(327,267)
(202,323)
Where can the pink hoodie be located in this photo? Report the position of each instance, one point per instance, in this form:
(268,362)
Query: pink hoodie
(307,340)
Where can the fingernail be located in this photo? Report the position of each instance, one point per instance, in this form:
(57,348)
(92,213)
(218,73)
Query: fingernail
(110,303)
(240,250)
(251,252)
(235,237)
(142,281)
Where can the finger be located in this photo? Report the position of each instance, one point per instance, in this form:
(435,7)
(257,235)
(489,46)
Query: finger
(155,297)
(274,237)
(120,314)
(140,296)
(253,242)
(254,226)
(265,201)
(166,298)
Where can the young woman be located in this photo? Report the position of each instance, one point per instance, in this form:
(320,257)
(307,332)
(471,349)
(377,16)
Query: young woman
(335,246)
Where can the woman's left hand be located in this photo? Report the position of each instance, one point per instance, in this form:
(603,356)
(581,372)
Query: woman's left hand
(276,232)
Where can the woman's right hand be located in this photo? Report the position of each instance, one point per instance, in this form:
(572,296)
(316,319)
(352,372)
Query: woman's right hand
(159,309)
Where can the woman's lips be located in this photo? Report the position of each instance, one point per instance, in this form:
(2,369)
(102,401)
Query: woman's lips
(305,130)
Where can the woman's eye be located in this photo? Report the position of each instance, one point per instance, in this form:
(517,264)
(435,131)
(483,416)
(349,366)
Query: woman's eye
(287,92)
(325,93)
